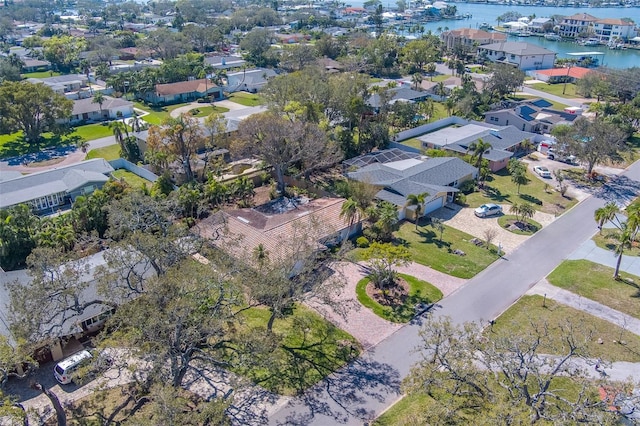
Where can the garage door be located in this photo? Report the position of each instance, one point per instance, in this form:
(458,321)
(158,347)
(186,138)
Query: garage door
(434,205)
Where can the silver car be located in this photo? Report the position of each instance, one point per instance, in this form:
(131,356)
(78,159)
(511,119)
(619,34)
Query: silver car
(488,210)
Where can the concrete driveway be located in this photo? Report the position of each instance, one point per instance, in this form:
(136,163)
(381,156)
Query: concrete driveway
(463,219)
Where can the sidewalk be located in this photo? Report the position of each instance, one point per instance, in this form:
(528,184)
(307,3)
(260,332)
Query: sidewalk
(544,288)
(590,251)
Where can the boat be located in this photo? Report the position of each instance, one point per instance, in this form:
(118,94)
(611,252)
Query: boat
(590,42)
(552,37)
(485,26)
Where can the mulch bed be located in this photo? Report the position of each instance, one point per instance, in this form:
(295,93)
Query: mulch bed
(514,225)
(396,295)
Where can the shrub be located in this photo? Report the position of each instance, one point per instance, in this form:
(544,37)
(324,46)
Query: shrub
(468,187)
(460,199)
(362,242)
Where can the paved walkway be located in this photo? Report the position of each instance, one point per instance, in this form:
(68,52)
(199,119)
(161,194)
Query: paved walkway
(543,287)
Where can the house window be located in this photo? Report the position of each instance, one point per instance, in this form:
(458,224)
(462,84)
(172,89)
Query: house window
(507,122)
(88,189)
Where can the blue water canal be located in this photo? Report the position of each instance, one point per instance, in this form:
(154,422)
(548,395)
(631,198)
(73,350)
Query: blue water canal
(487,13)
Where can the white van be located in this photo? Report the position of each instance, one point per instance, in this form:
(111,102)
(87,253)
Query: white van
(65,368)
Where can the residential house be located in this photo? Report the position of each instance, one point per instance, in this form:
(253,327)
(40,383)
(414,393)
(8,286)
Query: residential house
(397,94)
(525,56)
(470,38)
(575,25)
(70,328)
(275,224)
(248,80)
(183,91)
(68,85)
(539,25)
(52,189)
(560,75)
(225,62)
(534,116)
(111,109)
(505,142)
(34,65)
(292,38)
(399,173)
(612,30)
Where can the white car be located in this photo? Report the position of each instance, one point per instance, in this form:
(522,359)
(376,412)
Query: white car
(542,172)
(488,210)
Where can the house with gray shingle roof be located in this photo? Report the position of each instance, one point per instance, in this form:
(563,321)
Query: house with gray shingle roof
(525,56)
(438,177)
(52,189)
(397,94)
(505,141)
(112,108)
(534,116)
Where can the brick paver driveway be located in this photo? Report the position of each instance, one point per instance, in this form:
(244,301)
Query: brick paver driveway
(463,219)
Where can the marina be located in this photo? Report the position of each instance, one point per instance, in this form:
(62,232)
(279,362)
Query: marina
(484,16)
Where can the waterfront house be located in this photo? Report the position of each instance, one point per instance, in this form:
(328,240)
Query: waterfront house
(525,56)
(560,75)
(470,38)
(575,25)
(613,30)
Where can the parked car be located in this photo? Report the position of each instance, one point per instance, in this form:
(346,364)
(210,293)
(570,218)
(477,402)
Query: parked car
(488,210)
(82,366)
(561,156)
(542,171)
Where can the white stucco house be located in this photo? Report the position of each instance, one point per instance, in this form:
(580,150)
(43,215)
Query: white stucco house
(524,56)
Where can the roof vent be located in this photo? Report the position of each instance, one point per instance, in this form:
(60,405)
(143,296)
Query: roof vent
(495,133)
(242,219)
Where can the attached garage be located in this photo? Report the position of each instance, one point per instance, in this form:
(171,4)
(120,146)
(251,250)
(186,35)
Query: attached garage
(435,204)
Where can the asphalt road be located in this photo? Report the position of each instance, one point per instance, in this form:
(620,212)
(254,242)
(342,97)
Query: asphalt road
(361,391)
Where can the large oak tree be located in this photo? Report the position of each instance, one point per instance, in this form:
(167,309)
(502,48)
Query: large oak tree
(32,109)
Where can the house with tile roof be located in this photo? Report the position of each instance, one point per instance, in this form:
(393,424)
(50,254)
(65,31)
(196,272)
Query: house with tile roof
(50,190)
(560,75)
(505,141)
(525,56)
(183,91)
(577,24)
(535,116)
(399,175)
(275,224)
(470,38)
(611,30)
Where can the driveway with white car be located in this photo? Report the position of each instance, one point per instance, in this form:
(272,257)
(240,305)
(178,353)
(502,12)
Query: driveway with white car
(464,219)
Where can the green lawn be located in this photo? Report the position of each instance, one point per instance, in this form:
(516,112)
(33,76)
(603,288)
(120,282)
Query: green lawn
(595,282)
(132,179)
(413,142)
(91,132)
(529,309)
(500,189)
(110,152)
(419,292)
(557,89)
(426,249)
(208,110)
(438,78)
(608,241)
(41,74)
(309,349)
(246,99)
(13,144)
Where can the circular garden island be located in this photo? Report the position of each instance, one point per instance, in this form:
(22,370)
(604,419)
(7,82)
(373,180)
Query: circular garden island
(396,297)
(519,225)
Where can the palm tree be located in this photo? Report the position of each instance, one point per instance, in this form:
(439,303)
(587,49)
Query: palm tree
(418,201)
(515,209)
(606,214)
(478,148)
(431,69)
(527,211)
(624,239)
(350,211)
(387,219)
(261,255)
(438,224)
(99,99)
(416,79)
(118,132)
